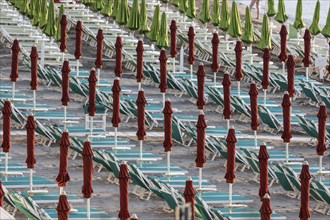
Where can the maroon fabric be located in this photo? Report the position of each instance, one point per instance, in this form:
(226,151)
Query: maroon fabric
(265,75)
(286,106)
(63,174)
(163,71)
(238,52)
(88,169)
(6,118)
(263,167)
(99,49)
(123,177)
(141,103)
(226,96)
(307,48)
(201,133)
(63,208)
(78,50)
(167,111)
(92,93)
(322,119)
(65,83)
(139,61)
(291,70)
(30,141)
(215,52)
(64,24)
(173,28)
(2,195)
(116,103)
(231,156)
(34,68)
(254,106)
(305,177)
(283,33)
(14,61)
(189,196)
(191,38)
(119,57)
(266,209)
(200,86)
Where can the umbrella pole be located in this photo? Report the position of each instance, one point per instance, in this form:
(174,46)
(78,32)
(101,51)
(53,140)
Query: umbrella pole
(228,124)
(164,100)
(6,166)
(63,56)
(173,64)
(215,78)
(98,75)
(191,71)
(42,61)
(168,162)
(139,86)
(141,151)
(91,126)
(226,38)
(287,152)
(265,96)
(61,190)
(283,66)
(13,92)
(320,164)
(230,194)
(200,179)
(77,68)
(181,59)
(307,74)
(64,117)
(238,89)
(255,139)
(31,180)
(34,100)
(88,208)
(116,138)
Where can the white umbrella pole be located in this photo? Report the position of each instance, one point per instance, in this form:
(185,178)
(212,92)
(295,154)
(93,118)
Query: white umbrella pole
(164,100)
(98,75)
(200,178)
(287,152)
(174,65)
(227,44)
(88,208)
(116,138)
(61,190)
(265,96)
(91,126)
(191,71)
(283,67)
(13,92)
(31,179)
(34,100)
(42,61)
(230,194)
(64,117)
(6,166)
(307,74)
(255,139)
(181,59)
(139,86)
(320,164)
(228,124)
(63,56)
(141,150)
(77,68)
(168,162)
(215,78)
(238,89)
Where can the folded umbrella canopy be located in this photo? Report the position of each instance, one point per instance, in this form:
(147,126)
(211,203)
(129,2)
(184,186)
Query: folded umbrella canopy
(215,55)
(98,4)
(200,86)
(88,2)
(63,208)
(92,80)
(307,51)
(322,130)
(283,55)
(144,28)
(183,6)
(115,8)
(248,36)
(122,13)
(216,13)
(265,74)
(191,52)
(174,51)
(99,49)
(50,27)
(43,14)
(286,135)
(88,170)
(266,209)
(6,143)
(291,71)
(189,196)
(24,7)
(238,67)
(265,39)
(154,29)
(225,16)
(191,10)
(119,57)
(36,12)
(201,135)
(31,8)
(263,167)
(235,29)
(139,62)
(78,48)
(65,87)
(175,3)
(34,73)
(167,144)
(271,11)
(162,40)
(326,28)
(226,98)
(2,196)
(116,89)
(305,178)
(254,110)
(141,132)
(15,48)
(231,157)
(63,174)
(30,142)
(124,178)
(107,8)
(299,21)
(64,24)
(58,35)
(205,12)
(281,16)
(315,28)
(163,73)
(134,16)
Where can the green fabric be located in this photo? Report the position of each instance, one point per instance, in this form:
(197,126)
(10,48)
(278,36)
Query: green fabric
(162,40)
(225,16)
(115,8)
(299,21)
(235,29)
(183,5)
(265,40)
(205,13)
(107,8)
(134,19)
(165,1)
(50,27)
(98,4)
(154,29)
(87,2)
(24,9)
(36,13)
(326,29)
(191,10)
(123,13)
(175,3)
(43,14)
(271,11)
(281,16)
(248,36)
(315,28)
(31,11)
(216,13)
(143,18)
(58,24)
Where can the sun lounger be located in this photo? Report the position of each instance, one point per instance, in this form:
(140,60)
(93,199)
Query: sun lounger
(82,214)
(242,214)
(23,182)
(46,198)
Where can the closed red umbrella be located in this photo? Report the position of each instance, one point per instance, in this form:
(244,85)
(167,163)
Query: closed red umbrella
(78,49)
(63,174)
(139,62)
(65,87)
(266,209)
(307,50)
(201,133)
(283,55)
(231,157)
(123,177)
(265,75)
(191,39)
(263,167)
(322,130)
(34,68)
(6,144)
(64,24)
(305,177)
(92,97)
(119,57)
(2,196)
(88,170)
(215,53)
(200,86)
(99,49)
(173,28)
(30,145)
(286,135)
(14,65)
(141,132)
(291,71)
(63,208)
(167,144)
(116,107)
(254,110)
(189,195)
(226,98)
(238,68)
(163,73)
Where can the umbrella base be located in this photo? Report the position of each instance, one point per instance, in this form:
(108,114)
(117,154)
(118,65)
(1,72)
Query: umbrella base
(37,191)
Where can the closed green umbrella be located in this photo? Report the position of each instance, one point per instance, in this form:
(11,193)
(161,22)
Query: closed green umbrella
(43,15)
(183,5)
(24,8)
(326,29)
(315,28)
(162,40)
(281,16)
(175,3)
(98,4)
(31,11)
(36,13)
(123,13)
(115,8)
(225,16)
(205,13)
(248,36)
(134,19)
(143,18)
(271,11)
(299,21)
(216,13)
(265,41)
(107,8)
(50,27)
(165,1)
(191,10)
(154,29)
(235,29)
(87,2)
(58,23)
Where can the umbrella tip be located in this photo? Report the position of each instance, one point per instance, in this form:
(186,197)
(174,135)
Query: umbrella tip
(286,92)
(201,112)
(65,130)
(163,48)
(232,127)
(266,196)
(305,162)
(87,139)
(93,69)
(322,104)
(215,31)
(264,143)
(123,162)
(168,99)
(66,59)
(134,216)
(33,45)
(189,178)
(141,89)
(117,78)
(201,64)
